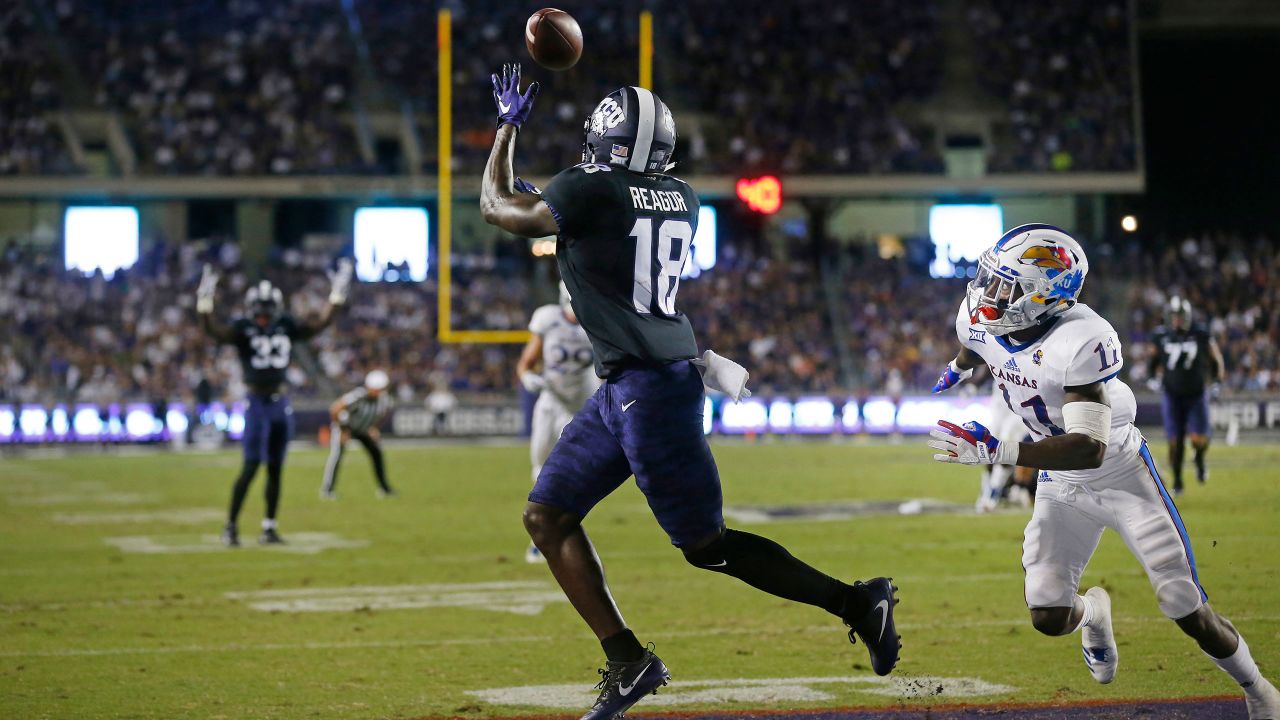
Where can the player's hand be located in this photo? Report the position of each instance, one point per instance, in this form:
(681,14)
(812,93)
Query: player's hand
(951,376)
(340,282)
(513,107)
(1153,384)
(532,381)
(1215,389)
(970,444)
(375,433)
(721,374)
(525,186)
(207,290)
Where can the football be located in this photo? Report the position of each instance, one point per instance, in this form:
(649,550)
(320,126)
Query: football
(553,38)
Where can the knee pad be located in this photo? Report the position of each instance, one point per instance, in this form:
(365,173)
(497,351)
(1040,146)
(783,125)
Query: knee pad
(711,557)
(1046,587)
(1178,597)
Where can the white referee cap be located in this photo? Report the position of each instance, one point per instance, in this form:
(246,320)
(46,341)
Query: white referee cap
(376,380)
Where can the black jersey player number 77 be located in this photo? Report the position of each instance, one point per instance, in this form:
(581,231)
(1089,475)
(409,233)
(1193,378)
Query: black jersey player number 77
(624,231)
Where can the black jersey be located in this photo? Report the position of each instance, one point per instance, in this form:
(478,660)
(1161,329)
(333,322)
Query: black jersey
(265,352)
(1183,356)
(623,242)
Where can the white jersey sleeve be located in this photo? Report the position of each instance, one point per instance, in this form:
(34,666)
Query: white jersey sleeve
(544,318)
(1097,357)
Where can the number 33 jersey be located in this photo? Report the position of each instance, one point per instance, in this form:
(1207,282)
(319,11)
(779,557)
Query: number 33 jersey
(1080,348)
(623,242)
(265,352)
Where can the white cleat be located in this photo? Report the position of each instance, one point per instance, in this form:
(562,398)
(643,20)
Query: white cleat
(533,555)
(1099,642)
(1263,701)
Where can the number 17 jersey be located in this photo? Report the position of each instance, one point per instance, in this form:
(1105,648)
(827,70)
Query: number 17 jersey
(1080,348)
(624,239)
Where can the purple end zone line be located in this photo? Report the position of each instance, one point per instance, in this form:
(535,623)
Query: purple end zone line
(1215,707)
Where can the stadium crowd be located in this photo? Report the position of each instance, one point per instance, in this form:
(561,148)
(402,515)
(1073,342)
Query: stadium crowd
(70,337)
(251,87)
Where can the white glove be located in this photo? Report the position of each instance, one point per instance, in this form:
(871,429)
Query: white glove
(723,375)
(1154,384)
(971,444)
(341,282)
(207,290)
(532,381)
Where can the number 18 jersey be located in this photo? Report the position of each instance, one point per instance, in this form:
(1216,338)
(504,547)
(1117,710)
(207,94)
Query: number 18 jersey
(1080,348)
(623,242)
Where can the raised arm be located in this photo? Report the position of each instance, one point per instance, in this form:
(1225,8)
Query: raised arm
(519,213)
(958,370)
(206,294)
(339,288)
(1218,368)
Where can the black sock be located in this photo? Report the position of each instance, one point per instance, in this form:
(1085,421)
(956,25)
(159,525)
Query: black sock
(375,453)
(622,647)
(1199,458)
(766,565)
(273,490)
(241,488)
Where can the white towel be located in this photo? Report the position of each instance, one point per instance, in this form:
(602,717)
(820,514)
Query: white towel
(723,375)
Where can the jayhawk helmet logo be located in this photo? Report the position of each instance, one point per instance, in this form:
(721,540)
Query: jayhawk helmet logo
(1033,273)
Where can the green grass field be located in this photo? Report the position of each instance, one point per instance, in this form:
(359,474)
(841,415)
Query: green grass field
(100,617)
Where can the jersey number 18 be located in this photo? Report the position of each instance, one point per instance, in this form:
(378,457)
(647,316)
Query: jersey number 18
(671,248)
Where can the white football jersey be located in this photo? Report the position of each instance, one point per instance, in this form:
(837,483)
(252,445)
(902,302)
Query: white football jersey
(1080,348)
(567,359)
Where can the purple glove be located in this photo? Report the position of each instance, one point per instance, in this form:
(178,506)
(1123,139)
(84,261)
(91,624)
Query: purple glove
(525,186)
(950,377)
(513,108)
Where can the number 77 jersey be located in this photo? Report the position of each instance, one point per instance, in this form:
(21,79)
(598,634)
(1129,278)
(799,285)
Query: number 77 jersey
(623,242)
(1080,348)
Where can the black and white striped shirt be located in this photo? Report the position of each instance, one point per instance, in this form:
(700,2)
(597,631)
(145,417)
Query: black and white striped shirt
(363,410)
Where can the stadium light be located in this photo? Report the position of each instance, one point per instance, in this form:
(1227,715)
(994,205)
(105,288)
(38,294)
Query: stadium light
(390,236)
(1129,223)
(762,194)
(100,238)
(962,232)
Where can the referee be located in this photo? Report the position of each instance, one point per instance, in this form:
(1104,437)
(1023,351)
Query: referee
(356,415)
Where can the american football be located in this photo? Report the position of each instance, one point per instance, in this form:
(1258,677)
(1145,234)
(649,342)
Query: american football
(829,360)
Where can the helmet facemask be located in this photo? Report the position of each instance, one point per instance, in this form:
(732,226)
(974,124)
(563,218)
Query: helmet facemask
(1004,303)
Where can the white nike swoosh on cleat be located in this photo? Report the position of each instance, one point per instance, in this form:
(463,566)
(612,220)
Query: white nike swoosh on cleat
(722,563)
(505,108)
(625,690)
(883,607)
(625,406)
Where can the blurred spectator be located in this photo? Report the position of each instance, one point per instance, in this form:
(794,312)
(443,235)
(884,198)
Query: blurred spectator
(30,143)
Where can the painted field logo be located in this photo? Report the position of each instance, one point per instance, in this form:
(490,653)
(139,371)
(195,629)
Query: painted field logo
(520,598)
(751,691)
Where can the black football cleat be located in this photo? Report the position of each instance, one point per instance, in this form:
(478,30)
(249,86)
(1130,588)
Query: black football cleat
(269,536)
(624,684)
(230,535)
(877,629)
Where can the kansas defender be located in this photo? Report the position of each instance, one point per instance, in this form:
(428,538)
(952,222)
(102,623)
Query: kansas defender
(356,415)
(624,230)
(1056,363)
(560,346)
(1186,360)
(264,340)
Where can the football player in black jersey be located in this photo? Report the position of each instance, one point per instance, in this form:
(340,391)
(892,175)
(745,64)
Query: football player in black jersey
(264,340)
(1186,360)
(624,230)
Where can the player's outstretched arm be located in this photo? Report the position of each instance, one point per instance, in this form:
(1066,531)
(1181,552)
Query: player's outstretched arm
(206,295)
(1085,443)
(959,370)
(339,288)
(519,213)
(1086,413)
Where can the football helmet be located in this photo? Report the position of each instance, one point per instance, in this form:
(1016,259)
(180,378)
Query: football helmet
(263,298)
(1178,308)
(1032,274)
(631,128)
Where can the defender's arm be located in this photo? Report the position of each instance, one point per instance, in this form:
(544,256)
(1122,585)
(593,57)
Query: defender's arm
(206,295)
(521,214)
(339,288)
(216,330)
(529,359)
(1218,369)
(1083,446)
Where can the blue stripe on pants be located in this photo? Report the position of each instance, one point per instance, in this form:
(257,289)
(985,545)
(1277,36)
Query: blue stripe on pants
(1172,509)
